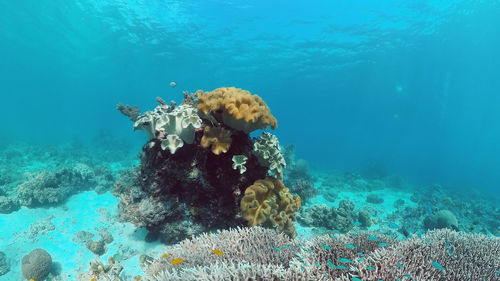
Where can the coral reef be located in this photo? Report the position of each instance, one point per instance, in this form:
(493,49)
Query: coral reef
(341,219)
(236,108)
(36,265)
(98,271)
(437,255)
(45,188)
(305,189)
(441,219)
(254,246)
(259,254)
(197,164)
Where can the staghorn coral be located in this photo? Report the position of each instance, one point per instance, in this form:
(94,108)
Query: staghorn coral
(254,246)
(236,108)
(261,254)
(218,138)
(267,150)
(269,203)
(438,255)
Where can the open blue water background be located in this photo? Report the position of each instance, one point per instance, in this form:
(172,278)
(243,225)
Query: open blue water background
(412,84)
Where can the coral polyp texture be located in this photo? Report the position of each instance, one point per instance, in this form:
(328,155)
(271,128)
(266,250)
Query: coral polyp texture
(197,164)
(237,109)
(268,202)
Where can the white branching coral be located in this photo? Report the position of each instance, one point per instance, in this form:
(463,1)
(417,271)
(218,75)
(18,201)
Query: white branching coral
(260,254)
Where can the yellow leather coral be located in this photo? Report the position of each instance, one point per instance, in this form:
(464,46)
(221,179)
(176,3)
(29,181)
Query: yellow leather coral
(236,108)
(217,137)
(269,203)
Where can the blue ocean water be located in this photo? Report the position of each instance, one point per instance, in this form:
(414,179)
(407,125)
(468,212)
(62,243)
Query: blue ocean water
(406,88)
(411,84)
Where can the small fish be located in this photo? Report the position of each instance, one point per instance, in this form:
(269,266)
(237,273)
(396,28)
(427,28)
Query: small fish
(399,265)
(326,247)
(408,275)
(173,84)
(350,246)
(344,260)
(382,244)
(164,256)
(277,248)
(357,223)
(334,237)
(341,267)
(217,252)
(93,279)
(317,264)
(355,279)
(374,221)
(286,246)
(210,232)
(372,238)
(300,246)
(370,268)
(138,277)
(176,261)
(361,259)
(330,263)
(309,250)
(359,253)
(437,265)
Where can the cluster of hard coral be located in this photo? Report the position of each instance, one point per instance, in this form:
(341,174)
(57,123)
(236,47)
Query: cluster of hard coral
(261,254)
(200,170)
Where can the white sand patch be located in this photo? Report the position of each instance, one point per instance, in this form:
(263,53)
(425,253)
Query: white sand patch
(85,211)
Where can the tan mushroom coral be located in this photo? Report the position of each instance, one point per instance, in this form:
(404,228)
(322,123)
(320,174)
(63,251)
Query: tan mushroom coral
(269,203)
(236,108)
(216,137)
